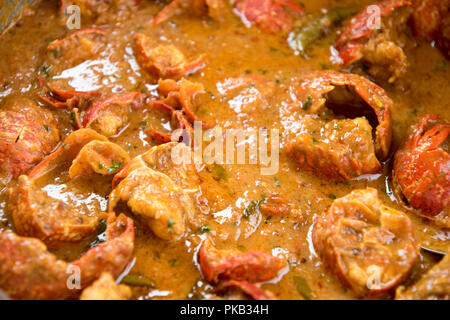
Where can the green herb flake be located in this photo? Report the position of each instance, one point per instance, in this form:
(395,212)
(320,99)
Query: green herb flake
(332,196)
(302,287)
(101,226)
(44,70)
(55,53)
(72,118)
(262,71)
(100,166)
(277,181)
(174,262)
(170,224)
(307,103)
(114,167)
(47,128)
(253,206)
(440,66)
(204,228)
(143,123)
(219,172)
(138,281)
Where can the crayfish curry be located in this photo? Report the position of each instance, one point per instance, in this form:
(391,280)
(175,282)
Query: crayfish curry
(216,149)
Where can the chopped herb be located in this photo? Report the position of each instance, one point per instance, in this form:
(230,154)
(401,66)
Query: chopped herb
(241,248)
(252,207)
(44,70)
(114,167)
(117,76)
(170,224)
(307,103)
(277,81)
(101,226)
(72,118)
(231,192)
(277,181)
(248,71)
(413,113)
(262,71)
(174,262)
(314,27)
(440,66)
(219,172)
(302,287)
(315,141)
(100,166)
(273,49)
(47,128)
(143,123)
(204,228)
(332,196)
(55,53)
(138,280)
(346,183)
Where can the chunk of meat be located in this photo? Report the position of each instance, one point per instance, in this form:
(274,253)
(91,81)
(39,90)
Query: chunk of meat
(378,46)
(349,95)
(242,290)
(369,246)
(101,157)
(107,115)
(434,285)
(157,186)
(214,8)
(158,201)
(232,264)
(421,172)
(271,16)
(339,150)
(79,46)
(431,21)
(164,61)
(27,134)
(36,214)
(105,288)
(29,271)
(172,159)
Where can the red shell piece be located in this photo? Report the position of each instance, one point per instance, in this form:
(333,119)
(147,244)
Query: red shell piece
(272,16)
(27,134)
(252,266)
(358,29)
(164,61)
(29,271)
(422,170)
